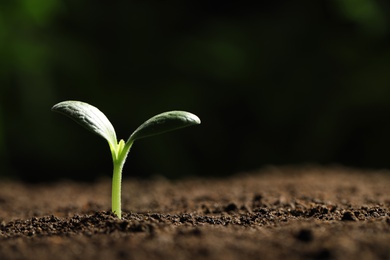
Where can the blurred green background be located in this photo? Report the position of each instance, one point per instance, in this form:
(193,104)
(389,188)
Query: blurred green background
(274,82)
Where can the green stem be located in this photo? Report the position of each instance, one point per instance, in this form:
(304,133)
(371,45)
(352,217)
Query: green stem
(116,189)
(117,179)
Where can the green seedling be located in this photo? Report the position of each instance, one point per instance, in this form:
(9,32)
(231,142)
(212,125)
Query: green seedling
(94,120)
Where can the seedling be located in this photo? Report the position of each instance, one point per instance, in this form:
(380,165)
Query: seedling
(94,120)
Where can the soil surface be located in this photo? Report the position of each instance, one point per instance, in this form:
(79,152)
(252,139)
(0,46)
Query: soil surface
(276,213)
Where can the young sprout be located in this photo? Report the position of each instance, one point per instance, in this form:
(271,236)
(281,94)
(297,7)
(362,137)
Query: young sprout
(94,120)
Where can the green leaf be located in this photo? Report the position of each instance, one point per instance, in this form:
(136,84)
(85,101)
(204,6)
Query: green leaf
(90,117)
(164,122)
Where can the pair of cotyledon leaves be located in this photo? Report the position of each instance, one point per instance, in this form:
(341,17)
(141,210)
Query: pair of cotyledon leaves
(94,120)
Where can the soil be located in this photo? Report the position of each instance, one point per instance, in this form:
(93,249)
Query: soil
(276,213)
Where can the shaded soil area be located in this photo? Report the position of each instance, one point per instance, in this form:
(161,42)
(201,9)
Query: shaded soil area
(275,213)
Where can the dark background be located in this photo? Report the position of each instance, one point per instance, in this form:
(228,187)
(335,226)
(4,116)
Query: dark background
(274,82)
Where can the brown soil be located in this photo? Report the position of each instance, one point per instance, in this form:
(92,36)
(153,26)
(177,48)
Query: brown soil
(277,213)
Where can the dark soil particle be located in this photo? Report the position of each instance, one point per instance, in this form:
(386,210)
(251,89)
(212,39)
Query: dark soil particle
(277,213)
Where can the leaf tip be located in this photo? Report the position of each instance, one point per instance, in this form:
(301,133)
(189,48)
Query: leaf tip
(195,119)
